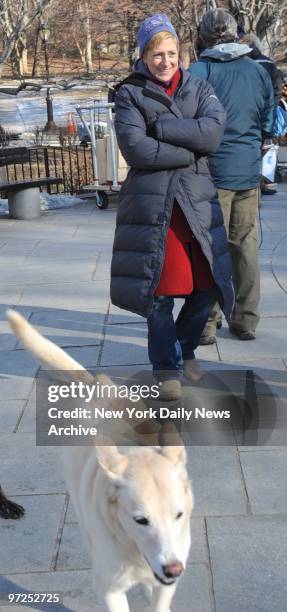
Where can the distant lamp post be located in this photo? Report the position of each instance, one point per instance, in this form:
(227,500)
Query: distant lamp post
(45,35)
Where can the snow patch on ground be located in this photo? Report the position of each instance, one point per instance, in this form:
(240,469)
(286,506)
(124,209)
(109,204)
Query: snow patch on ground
(49,202)
(53,201)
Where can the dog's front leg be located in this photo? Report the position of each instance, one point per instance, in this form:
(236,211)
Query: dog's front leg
(162,598)
(115,602)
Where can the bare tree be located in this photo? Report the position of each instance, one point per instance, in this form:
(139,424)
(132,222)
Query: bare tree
(86,30)
(16,16)
(37,48)
(267,18)
(264,17)
(257,15)
(81,31)
(186,16)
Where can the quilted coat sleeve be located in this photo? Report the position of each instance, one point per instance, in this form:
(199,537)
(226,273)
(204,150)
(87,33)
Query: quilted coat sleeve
(140,150)
(277,81)
(204,132)
(268,114)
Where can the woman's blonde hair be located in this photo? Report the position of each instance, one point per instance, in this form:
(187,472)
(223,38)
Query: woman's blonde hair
(157,39)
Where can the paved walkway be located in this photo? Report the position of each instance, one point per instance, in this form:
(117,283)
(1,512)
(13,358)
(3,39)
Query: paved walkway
(55,270)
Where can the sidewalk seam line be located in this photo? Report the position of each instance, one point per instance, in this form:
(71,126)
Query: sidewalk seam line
(22,412)
(248,503)
(211,579)
(59,535)
(101,349)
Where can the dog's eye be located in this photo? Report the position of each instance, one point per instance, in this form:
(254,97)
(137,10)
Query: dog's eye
(178,516)
(141,520)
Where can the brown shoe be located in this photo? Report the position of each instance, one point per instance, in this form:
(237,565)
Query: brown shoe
(241,334)
(192,371)
(170,390)
(204,340)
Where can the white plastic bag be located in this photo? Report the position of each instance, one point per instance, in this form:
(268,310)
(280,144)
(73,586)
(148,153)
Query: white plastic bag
(269,161)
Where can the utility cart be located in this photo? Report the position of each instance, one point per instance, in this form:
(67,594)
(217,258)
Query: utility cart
(109,167)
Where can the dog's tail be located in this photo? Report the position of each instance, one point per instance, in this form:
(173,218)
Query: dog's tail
(49,354)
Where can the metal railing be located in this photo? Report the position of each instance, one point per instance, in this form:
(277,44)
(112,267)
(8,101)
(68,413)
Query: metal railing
(73,164)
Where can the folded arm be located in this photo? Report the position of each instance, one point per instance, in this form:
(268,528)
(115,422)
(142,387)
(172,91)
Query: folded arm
(203,133)
(140,150)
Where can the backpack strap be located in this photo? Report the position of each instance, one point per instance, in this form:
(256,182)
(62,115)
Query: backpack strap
(139,80)
(158,96)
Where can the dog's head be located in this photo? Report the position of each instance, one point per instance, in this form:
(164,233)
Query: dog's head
(150,495)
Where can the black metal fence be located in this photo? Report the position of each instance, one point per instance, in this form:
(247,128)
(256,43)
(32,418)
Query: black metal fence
(73,164)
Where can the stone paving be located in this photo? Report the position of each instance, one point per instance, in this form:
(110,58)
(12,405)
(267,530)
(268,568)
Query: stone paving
(55,270)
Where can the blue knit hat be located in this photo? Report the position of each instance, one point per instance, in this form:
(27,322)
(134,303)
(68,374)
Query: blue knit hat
(151,26)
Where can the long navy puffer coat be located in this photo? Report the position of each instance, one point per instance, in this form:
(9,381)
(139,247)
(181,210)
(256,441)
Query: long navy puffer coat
(165,142)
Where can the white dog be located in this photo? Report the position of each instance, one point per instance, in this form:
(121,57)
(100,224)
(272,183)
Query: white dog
(133,507)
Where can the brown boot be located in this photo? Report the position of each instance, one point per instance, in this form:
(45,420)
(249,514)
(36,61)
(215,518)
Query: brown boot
(191,370)
(170,390)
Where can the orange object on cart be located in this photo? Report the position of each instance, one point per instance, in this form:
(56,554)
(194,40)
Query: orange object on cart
(71,124)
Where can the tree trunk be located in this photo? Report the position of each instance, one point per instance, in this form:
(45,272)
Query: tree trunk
(185,55)
(22,53)
(37,55)
(14,65)
(24,62)
(81,53)
(88,51)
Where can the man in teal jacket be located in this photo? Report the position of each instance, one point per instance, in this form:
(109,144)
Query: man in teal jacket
(245,90)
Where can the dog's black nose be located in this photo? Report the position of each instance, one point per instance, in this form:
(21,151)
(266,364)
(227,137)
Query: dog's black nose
(173,569)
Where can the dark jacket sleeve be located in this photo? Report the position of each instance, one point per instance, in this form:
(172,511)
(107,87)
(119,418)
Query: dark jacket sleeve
(277,80)
(203,133)
(140,150)
(268,114)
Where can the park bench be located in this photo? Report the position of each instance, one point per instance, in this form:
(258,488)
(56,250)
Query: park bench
(24,196)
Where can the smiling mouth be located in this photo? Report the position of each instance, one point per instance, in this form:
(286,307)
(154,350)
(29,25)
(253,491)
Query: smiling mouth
(166,583)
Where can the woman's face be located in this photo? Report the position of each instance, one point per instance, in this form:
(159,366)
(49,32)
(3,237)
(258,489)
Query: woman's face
(162,61)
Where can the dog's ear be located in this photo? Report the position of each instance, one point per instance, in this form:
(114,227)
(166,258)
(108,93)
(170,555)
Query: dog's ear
(176,454)
(111,460)
(171,444)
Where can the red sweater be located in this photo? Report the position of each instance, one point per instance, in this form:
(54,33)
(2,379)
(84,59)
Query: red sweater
(185,268)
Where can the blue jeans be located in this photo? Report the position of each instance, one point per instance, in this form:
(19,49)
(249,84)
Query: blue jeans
(170,342)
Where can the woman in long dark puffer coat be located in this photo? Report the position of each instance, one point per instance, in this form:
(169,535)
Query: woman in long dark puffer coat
(170,239)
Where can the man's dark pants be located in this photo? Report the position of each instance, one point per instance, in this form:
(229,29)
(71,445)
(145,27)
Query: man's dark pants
(239,210)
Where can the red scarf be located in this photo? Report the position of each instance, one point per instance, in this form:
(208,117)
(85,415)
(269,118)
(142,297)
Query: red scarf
(170,87)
